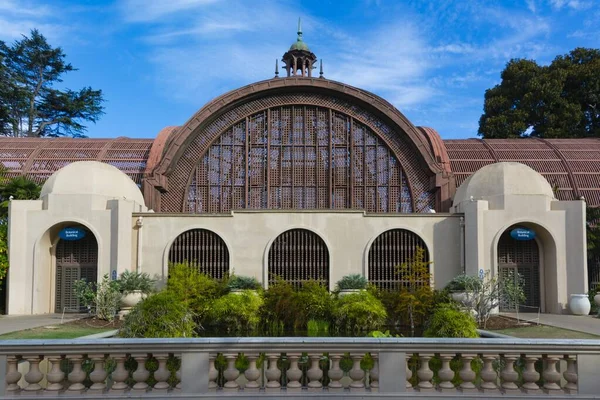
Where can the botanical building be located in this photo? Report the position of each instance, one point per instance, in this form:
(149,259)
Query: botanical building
(304,178)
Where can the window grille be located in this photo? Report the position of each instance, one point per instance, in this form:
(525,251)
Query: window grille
(390,250)
(299,255)
(75,259)
(202,249)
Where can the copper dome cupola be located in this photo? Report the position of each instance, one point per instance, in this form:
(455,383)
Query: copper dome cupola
(299,60)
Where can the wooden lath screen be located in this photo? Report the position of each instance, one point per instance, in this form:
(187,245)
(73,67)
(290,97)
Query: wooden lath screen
(390,250)
(522,257)
(299,157)
(299,255)
(75,259)
(202,249)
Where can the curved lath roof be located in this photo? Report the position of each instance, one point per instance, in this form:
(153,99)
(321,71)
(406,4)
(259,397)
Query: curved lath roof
(571,166)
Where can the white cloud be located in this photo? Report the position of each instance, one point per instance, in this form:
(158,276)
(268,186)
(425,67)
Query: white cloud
(144,10)
(573,4)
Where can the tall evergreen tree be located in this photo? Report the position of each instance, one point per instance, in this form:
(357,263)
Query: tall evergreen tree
(556,101)
(30,102)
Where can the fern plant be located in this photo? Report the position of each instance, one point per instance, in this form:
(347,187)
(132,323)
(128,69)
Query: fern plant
(448,321)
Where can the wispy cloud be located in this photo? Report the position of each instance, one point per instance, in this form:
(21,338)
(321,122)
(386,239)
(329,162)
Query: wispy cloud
(148,11)
(573,4)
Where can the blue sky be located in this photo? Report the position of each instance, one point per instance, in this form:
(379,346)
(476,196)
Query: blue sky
(158,62)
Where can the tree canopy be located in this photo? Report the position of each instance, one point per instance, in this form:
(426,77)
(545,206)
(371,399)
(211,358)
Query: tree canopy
(31,104)
(561,100)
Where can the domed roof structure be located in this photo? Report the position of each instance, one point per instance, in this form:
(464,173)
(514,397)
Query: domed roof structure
(92,178)
(299,43)
(503,179)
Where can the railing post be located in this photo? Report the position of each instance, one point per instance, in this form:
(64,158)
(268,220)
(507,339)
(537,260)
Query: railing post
(392,372)
(194,372)
(3,364)
(587,374)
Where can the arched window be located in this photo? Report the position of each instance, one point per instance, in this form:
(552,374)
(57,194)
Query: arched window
(298,255)
(203,249)
(390,250)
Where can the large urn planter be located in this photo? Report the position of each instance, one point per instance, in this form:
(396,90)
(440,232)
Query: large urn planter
(580,304)
(344,292)
(129,301)
(464,298)
(597,299)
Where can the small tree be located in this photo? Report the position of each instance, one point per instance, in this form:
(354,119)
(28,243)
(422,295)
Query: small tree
(512,291)
(416,295)
(101,299)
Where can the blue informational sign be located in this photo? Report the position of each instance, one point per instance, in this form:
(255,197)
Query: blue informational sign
(481,274)
(72,234)
(113,274)
(522,234)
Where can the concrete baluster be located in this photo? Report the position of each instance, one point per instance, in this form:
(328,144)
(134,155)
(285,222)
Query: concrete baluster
(508,374)
(13,376)
(55,377)
(252,374)
(424,373)
(335,373)
(273,373)
(408,371)
(141,374)
(570,374)
(356,373)
(162,374)
(77,375)
(119,375)
(445,373)
(315,373)
(374,373)
(551,375)
(231,373)
(489,377)
(530,375)
(98,375)
(466,373)
(34,376)
(213,374)
(294,374)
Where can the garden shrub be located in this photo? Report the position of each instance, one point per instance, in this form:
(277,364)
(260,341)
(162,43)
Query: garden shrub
(235,312)
(194,289)
(160,315)
(354,281)
(316,328)
(311,302)
(448,321)
(357,312)
(102,299)
(277,312)
(243,282)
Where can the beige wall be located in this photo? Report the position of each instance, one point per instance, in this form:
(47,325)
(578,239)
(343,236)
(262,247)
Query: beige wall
(348,236)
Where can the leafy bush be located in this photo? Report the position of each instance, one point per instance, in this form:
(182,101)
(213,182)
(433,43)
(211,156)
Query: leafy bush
(317,328)
(463,283)
(243,282)
(277,312)
(235,312)
(358,312)
(355,281)
(447,321)
(132,281)
(160,315)
(194,289)
(311,301)
(379,334)
(102,299)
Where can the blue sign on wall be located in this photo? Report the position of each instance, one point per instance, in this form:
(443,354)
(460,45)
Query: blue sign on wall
(71,234)
(522,234)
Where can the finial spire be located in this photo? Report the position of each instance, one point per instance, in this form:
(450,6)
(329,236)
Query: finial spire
(321,69)
(276,68)
(299,29)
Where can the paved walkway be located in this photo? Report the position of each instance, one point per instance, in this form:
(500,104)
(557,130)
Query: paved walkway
(588,324)
(13,323)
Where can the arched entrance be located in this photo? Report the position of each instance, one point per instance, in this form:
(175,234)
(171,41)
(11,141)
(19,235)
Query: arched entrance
(298,255)
(76,258)
(202,249)
(520,254)
(389,250)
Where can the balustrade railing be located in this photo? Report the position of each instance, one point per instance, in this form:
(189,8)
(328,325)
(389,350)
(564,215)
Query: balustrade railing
(298,367)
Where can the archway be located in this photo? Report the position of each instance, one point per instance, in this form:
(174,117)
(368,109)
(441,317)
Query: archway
(76,259)
(298,255)
(519,253)
(389,250)
(203,249)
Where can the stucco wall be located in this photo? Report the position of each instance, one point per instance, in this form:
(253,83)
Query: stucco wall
(347,234)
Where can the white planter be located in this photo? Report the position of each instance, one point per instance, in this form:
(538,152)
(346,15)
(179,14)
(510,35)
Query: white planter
(130,300)
(597,299)
(344,292)
(240,291)
(464,298)
(580,304)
